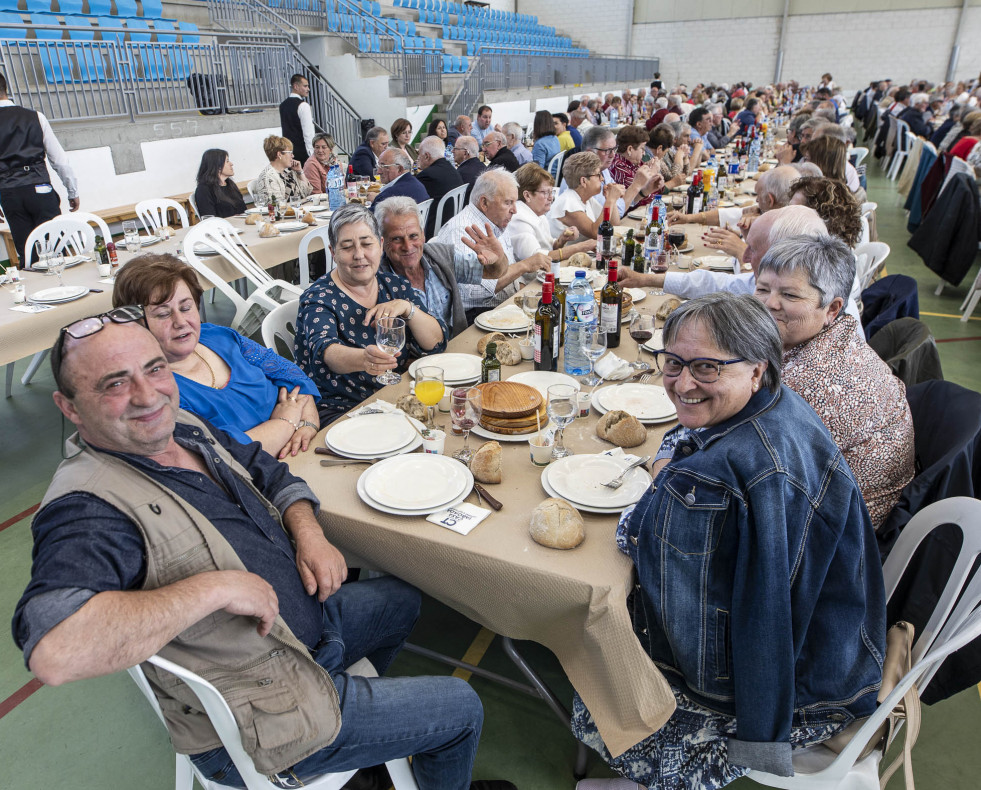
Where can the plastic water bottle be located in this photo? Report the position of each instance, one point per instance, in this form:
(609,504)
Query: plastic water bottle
(580,313)
(335,187)
(448,154)
(753,165)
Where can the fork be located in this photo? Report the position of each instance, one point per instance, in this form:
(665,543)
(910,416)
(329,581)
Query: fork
(617,481)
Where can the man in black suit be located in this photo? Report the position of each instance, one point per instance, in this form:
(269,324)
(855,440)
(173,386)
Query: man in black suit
(468,164)
(496,148)
(365,159)
(438,177)
(395,173)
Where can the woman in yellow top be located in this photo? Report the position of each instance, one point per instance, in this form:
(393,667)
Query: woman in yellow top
(566,143)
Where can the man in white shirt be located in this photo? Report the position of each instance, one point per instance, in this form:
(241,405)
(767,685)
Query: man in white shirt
(26,194)
(483,126)
(513,133)
(296,118)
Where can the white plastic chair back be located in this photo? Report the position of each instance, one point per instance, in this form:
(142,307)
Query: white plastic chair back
(223,721)
(251,187)
(866,233)
(65,233)
(93,219)
(868,207)
(860,154)
(155,213)
(280,323)
(957,165)
(455,195)
(875,253)
(304,251)
(424,211)
(554,167)
(194,205)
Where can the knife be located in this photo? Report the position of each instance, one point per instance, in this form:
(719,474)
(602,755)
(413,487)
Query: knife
(347,461)
(490,500)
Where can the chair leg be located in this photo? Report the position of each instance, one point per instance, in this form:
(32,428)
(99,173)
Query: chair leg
(32,368)
(10,379)
(939,288)
(184,779)
(971,305)
(401,773)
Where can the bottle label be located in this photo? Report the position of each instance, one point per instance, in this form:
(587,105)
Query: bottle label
(582,312)
(608,317)
(538,343)
(494,374)
(696,205)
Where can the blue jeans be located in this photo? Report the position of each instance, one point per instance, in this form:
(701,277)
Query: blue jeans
(436,719)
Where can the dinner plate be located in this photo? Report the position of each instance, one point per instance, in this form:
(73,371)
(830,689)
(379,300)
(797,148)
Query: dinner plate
(568,273)
(61,293)
(457,368)
(418,482)
(370,434)
(579,479)
(716,263)
(689,248)
(146,241)
(291,225)
(541,380)
(255,210)
(397,512)
(503,322)
(656,343)
(649,403)
(637,294)
(318,209)
(587,508)
(481,431)
(726,204)
(414,444)
(70,260)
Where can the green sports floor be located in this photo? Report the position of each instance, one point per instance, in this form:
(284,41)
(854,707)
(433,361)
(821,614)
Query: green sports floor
(101,735)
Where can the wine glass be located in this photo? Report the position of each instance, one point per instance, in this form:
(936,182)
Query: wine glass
(56,265)
(390,338)
(641,330)
(594,347)
(563,405)
(131,236)
(44,261)
(528,302)
(466,408)
(429,391)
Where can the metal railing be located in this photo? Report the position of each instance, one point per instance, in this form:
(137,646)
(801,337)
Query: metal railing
(248,18)
(470,91)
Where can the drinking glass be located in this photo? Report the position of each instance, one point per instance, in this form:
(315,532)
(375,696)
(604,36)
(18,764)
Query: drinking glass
(659,265)
(56,265)
(466,408)
(390,338)
(528,302)
(594,347)
(563,405)
(641,330)
(44,262)
(429,391)
(131,236)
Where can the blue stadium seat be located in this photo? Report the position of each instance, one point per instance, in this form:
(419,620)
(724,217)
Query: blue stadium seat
(72,7)
(8,5)
(151,9)
(91,67)
(106,22)
(38,7)
(54,56)
(166,31)
(125,8)
(333,22)
(100,7)
(447,64)
(11,26)
(80,21)
(154,64)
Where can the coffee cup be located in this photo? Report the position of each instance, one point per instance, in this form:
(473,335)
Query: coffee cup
(540,446)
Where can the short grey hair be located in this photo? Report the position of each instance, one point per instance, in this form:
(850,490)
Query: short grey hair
(399,158)
(674,100)
(433,146)
(918,98)
(398,206)
(796,220)
(374,133)
(808,169)
(815,122)
(460,119)
(826,260)
(514,129)
(797,122)
(351,214)
(739,325)
(496,137)
(579,166)
(661,102)
(468,144)
(776,183)
(594,137)
(490,183)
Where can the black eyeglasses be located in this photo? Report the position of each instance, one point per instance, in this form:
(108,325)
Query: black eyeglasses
(86,327)
(704,369)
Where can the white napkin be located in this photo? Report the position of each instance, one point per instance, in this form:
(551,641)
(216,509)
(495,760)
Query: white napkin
(376,407)
(32,308)
(108,281)
(612,368)
(462,518)
(618,454)
(506,317)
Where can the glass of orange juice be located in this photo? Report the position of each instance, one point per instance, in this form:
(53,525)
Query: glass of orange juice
(429,390)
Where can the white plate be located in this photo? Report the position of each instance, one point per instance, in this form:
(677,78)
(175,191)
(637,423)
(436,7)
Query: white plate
(417,482)
(318,209)
(412,445)
(291,225)
(649,403)
(689,248)
(255,210)
(457,368)
(552,492)
(541,380)
(716,263)
(205,249)
(506,323)
(61,293)
(70,260)
(568,273)
(656,343)
(146,241)
(371,434)
(579,479)
(395,511)
(637,294)
(479,430)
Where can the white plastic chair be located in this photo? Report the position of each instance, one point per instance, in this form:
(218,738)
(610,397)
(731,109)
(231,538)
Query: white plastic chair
(859,153)
(455,195)
(251,187)
(280,323)
(875,253)
(303,253)
(948,630)
(866,234)
(904,141)
(424,211)
(224,723)
(554,167)
(971,300)
(269,293)
(155,213)
(93,219)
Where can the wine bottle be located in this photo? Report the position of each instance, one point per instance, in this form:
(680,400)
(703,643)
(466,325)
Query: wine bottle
(604,240)
(628,246)
(546,334)
(611,307)
(693,192)
(697,198)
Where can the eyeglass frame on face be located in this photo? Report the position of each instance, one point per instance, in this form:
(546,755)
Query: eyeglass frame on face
(547,194)
(663,357)
(118,315)
(603,150)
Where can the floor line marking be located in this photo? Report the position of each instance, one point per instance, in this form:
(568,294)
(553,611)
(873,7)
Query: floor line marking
(957,339)
(19,696)
(19,517)
(475,652)
(949,315)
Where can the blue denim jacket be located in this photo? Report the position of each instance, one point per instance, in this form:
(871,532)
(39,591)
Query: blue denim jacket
(760,593)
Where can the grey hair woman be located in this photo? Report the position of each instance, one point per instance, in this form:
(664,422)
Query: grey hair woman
(804,282)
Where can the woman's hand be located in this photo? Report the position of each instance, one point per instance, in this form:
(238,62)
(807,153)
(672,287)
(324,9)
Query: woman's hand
(613,192)
(675,217)
(288,406)
(564,238)
(397,308)
(300,440)
(377,361)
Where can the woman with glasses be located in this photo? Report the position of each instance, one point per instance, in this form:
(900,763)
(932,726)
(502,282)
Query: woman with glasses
(248,391)
(529,227)
(402,138)
(282,180)
(316,167)
(759,591)
(574,208)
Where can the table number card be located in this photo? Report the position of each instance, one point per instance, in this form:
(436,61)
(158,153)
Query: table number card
(462,518)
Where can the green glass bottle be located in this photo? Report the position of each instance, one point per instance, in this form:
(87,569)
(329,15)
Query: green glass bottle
(490,366)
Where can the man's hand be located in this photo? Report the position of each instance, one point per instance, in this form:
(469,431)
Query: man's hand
(785,154)
(73,204)
(539,262)
(249,595)
(321,566)
(628,278)
(488,249)
(726,241)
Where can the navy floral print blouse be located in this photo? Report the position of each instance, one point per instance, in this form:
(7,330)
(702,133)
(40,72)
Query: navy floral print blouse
(327,315)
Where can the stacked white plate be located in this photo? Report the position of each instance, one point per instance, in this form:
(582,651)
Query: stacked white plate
(319,210)
(716,263)
(146,241)
(647,402)
(291,225)
(373,436)
(568,273)
(579,479)
(70,260)
(637,294)
(59,294)
(415,485)
(458,369)
(505,319)
(255,210)
(541,380)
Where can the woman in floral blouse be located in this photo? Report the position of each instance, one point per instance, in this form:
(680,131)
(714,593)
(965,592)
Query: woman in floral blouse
(804,282)
(282,179)
(335,334)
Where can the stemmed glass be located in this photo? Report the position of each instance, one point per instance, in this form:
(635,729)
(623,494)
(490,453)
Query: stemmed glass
(528,302)
(44,261)
(594,347)
(641,330)
(56,265)
(563,405)
(429,391)
(390,338)
(131,236)
(466,408)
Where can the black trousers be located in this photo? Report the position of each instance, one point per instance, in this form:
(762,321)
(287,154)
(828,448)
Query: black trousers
(24,210)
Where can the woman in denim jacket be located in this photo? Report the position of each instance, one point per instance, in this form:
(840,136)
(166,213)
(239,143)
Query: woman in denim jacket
(760,594)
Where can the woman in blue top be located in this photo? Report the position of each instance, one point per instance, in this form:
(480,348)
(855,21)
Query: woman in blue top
(248,391)
(547,144)
(335,334)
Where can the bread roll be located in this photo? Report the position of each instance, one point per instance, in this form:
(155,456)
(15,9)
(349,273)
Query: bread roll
(268,231)
(412,406)
(252,219)
(622,429)
(557,525)
(667,307)
(308,218)
(486,463)
(581,260)
(493,337)
(507,353)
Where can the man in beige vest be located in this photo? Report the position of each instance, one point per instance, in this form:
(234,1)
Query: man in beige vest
(161,535)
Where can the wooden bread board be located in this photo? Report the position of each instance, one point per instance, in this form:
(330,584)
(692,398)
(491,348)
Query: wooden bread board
(509,431)
(508,400)
(625,299)
(494,423)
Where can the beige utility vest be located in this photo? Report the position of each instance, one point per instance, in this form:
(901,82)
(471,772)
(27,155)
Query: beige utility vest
(285,704)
